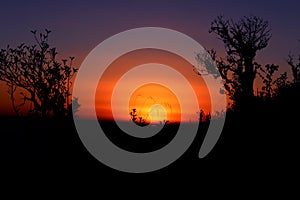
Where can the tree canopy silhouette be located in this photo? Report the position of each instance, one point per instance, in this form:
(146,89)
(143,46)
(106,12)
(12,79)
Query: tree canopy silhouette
(270,85)
(295,68)
(33,72)
(242,40)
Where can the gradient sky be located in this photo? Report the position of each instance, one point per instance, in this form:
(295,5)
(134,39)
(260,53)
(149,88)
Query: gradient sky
(78,26)
(143,96)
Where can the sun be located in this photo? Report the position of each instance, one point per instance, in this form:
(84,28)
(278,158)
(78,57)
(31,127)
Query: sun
(154,103)
(157,114)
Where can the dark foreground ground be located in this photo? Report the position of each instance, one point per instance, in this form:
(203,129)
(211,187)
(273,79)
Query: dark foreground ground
(248,148)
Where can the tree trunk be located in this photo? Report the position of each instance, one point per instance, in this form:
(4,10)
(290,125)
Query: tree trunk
(248,82)
(12,97)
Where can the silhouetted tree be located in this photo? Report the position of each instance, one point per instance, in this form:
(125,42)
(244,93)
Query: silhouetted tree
(295,68)
(203,117)
(288,92)
(207,117)
(133,115)
(270,85)
(34,73)
(281,82)
(242,40)
(200,115)
(75,106)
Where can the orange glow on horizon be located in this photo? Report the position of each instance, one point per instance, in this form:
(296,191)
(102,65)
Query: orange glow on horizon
(145,96)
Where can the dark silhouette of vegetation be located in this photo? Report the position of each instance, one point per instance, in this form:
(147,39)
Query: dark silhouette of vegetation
(259,131)
(270,85)
(75,106)
(288,91)
(137,119)
(257,124)
(133,115)
(33,72)
(295,67)
(242,40)
(203,117)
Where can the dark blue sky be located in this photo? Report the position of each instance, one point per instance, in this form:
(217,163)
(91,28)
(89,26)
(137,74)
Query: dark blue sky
(78,26)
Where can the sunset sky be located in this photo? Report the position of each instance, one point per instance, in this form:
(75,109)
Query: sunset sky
(78,26)
(146,95)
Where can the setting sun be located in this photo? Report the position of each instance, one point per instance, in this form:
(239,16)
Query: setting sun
(157,113)
(155,103)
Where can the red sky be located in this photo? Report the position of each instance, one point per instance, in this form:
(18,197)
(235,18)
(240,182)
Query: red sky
(158,94)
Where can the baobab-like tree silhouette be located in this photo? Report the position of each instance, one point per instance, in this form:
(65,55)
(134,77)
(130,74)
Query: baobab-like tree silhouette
(242,40)
(33,72)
